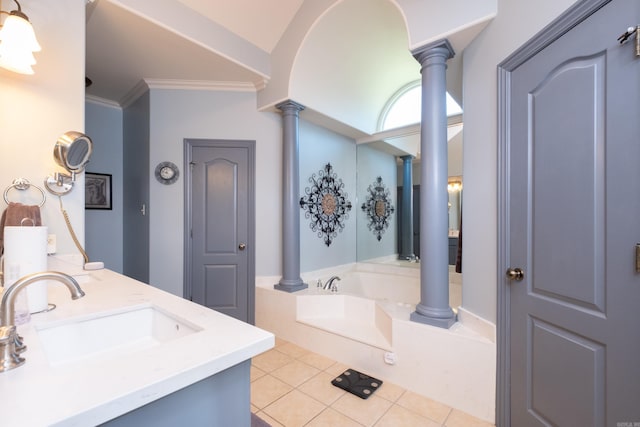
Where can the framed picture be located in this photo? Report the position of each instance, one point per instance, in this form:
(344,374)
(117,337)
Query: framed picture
(97,191)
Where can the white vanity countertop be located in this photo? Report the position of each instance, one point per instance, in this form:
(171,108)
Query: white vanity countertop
(93,390)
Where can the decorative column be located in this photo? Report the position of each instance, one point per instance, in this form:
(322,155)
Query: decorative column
(434,308)
(290,281)
(407,210)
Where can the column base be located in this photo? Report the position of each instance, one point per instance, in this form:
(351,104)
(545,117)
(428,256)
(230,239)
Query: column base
(410,258)
(440,322)
(290,285)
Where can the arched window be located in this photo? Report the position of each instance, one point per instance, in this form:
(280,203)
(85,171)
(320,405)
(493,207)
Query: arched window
(403,108)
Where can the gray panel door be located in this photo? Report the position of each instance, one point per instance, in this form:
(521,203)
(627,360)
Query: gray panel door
(574,209)
(221,216)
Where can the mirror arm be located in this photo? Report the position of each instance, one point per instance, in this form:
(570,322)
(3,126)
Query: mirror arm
(60,183)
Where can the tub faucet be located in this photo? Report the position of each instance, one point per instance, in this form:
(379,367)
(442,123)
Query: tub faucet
(10,343)
(330,285)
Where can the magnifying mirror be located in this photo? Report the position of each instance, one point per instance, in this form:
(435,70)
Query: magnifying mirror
(72,152)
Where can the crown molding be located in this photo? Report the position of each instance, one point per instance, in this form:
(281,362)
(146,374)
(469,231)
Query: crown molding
(101,101)
(145,84)
(200,85)
(136,92)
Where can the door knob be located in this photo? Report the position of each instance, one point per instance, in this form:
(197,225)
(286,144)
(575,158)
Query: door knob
(242,246)
(516,274)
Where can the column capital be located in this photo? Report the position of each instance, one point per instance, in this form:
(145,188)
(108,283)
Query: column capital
(408,157)
(289,106)
(438,48)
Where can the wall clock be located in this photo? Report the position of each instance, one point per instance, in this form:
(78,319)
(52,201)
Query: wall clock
(167,173)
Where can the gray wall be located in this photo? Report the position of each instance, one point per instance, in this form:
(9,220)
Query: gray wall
(136,189)
(179,114)
(319,146)
(154,128)
(103,228)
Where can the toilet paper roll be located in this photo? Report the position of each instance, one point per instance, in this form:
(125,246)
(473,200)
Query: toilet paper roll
(25,252)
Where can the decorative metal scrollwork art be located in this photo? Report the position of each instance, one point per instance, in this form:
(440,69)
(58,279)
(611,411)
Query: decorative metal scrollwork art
(378,208)
(326,204)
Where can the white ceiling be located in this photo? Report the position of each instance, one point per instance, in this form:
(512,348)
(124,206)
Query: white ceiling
(260,22)
(122,48)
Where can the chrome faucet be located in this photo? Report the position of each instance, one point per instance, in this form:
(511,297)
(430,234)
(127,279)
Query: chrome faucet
(330,285)
(10,343)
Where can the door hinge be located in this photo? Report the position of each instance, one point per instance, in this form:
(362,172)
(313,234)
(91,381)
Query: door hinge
(631,31)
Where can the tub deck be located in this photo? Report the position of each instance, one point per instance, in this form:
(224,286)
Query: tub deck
(455,366)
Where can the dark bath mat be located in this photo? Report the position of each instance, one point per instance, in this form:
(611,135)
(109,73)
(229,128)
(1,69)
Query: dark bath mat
(357,383)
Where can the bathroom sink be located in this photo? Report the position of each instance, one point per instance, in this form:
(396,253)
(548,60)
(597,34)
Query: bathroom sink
(110,334)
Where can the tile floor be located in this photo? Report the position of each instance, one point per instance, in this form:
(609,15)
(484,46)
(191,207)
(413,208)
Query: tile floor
(291,387)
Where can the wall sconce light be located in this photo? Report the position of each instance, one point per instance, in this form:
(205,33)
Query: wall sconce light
(17,42)
(454,186)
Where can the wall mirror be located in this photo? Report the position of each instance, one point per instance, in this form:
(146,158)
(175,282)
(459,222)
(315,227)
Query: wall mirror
(384,158)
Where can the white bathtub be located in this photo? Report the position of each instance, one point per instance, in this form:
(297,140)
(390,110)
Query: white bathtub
(362,308)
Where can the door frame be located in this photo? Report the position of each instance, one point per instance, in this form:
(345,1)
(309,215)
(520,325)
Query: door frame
(250,145)
(573,16)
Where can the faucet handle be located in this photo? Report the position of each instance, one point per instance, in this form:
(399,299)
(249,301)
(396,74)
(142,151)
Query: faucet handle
(20,346)
(9,359)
